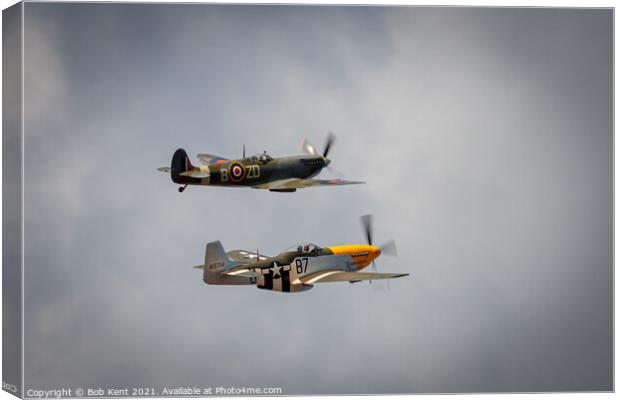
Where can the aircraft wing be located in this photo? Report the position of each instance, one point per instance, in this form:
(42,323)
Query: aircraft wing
(210,159)
(295,183)
(244,255)
(342,276)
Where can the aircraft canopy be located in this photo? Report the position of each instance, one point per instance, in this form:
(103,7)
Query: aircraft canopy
(303,247)
(263,158)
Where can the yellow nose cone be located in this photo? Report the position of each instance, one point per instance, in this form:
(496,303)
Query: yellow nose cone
(362,254)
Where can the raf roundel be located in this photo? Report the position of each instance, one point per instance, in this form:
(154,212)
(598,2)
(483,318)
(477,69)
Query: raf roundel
(237,171)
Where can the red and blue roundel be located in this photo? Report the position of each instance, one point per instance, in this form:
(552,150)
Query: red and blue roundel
(237,171)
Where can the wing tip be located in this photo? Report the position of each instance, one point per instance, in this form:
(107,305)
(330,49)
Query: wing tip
(340,182)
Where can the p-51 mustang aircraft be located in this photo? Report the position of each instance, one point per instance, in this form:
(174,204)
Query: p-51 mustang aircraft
(285,174)
(298,268)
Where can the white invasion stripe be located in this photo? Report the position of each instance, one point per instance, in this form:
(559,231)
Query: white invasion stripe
(277,283)
(321,276)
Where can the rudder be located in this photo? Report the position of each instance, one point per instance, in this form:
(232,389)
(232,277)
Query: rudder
(181,163)
(216,261)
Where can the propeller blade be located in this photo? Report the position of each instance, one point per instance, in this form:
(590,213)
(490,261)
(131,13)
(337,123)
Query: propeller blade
(331,138)
(374,267)
(334,171)
(367,224)
(307,147)
(389,248)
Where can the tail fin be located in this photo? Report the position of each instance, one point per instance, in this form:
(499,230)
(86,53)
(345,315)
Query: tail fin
(216,261)
(181,163)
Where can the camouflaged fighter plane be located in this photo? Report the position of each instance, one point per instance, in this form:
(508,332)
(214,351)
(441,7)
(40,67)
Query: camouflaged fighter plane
(285,174)
(298,268)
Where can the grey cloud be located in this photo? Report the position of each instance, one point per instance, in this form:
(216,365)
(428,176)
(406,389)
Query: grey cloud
(485,138)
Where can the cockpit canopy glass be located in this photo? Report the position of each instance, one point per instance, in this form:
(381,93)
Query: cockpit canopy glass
(263,158)
(302,248)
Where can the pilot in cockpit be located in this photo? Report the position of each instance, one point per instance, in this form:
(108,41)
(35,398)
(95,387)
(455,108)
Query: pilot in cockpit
(305,248)
(263,158)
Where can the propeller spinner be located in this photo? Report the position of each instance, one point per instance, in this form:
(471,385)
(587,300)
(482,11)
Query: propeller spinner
(388,248)
(308,148)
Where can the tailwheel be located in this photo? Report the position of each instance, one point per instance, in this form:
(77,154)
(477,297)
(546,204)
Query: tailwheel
(182,188)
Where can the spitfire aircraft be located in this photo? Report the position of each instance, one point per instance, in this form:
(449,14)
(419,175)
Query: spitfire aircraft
(285,174)
(298,268)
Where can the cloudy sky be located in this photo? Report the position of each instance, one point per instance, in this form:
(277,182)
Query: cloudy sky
(485,139)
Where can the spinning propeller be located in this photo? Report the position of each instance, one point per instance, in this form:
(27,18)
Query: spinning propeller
(388,248)
(308,148)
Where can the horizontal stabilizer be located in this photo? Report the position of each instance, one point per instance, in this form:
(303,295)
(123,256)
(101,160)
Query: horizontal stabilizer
(245,256)
(245,271)
(195,173)
(165,169)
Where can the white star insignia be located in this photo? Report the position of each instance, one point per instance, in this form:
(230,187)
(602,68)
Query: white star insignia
(276,271)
